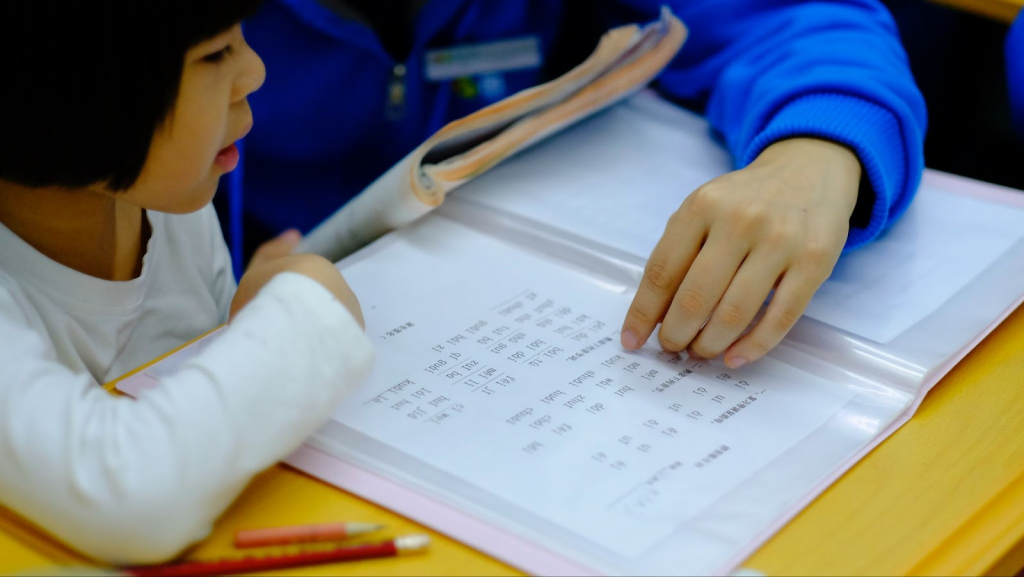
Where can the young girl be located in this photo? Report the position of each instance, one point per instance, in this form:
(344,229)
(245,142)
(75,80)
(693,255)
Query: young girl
(117,118)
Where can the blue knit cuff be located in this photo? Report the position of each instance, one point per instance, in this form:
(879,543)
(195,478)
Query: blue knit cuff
(870,130)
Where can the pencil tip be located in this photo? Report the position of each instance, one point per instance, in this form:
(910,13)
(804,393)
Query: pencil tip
(411,543)
(361,528)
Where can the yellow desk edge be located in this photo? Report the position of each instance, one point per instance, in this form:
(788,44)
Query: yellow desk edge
(991,542)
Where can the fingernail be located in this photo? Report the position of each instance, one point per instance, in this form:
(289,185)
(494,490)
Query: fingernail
(291,234)
(629,340)
(736,362)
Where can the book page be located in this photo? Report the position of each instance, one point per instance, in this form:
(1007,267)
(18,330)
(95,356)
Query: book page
(617,178)
(500,374)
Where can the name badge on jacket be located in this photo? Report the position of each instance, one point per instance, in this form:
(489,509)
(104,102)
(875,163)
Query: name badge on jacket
(482,59)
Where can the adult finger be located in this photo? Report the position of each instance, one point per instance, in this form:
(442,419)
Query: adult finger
(701,290)
(665,270)
(787,305)
(740,304)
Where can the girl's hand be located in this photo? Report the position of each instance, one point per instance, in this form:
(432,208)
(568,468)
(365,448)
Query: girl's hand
(282,245)
(274,257)
(779,223)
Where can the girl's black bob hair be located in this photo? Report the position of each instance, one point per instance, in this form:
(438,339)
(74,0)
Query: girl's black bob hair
(85,84)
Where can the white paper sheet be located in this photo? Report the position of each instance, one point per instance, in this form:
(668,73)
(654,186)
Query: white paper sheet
(617,178)
(503,371)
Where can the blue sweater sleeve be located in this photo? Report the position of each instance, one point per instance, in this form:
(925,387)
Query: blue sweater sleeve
(775,69)
(1015,71)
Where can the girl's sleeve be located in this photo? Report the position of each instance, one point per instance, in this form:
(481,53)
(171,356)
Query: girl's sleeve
(833,69)
(136,481)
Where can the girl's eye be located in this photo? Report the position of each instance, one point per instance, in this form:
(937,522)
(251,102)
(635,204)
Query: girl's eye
(219,55)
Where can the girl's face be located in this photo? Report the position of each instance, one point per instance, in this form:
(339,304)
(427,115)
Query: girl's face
(195,146)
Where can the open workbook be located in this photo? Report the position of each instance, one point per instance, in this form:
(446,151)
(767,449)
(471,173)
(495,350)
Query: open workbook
(502,410)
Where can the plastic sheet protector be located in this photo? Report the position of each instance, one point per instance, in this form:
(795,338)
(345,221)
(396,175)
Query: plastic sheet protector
(617,178)
(500,386)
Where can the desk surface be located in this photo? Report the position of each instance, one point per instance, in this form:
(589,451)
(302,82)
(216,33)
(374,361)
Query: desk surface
(944,495)
(1002,10)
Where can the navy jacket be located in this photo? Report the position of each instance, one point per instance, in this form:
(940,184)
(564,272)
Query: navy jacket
(1015,71)
(327,122)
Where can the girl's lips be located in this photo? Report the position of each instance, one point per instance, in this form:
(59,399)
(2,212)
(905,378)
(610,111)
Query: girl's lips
(227,159)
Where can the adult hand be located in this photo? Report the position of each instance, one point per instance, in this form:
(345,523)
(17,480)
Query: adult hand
(779,223)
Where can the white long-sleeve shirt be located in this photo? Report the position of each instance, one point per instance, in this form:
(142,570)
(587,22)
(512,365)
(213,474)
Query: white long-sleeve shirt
(136,481)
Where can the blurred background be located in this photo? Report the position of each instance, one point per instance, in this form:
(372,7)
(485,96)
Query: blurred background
(958,58)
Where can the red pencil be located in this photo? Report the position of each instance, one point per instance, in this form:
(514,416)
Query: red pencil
(397,546)
(302,534)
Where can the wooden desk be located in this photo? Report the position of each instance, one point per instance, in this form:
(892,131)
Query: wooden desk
(1002,10)
(944,495)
